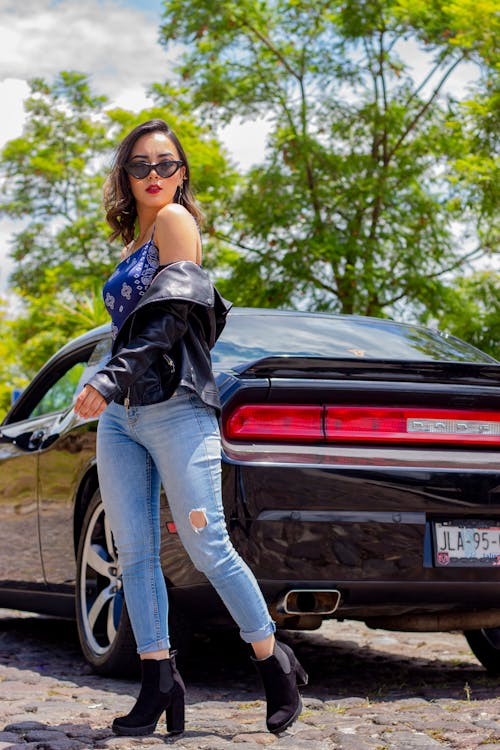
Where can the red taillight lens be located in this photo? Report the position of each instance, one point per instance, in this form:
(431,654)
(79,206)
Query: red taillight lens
(386,424)
(393,424)
(275,422)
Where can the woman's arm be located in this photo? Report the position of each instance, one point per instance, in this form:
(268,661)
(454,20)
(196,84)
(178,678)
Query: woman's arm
(160,328)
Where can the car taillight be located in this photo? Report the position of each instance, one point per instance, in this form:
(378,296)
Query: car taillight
(393,424)
(385,424)
(275,422)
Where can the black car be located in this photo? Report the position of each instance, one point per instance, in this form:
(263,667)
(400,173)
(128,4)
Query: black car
(361,480)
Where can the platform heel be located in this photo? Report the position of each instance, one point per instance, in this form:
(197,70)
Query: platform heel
(281,674)
(162,689)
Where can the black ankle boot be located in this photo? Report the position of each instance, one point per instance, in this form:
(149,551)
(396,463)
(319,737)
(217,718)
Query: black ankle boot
(280,674)
(162,689)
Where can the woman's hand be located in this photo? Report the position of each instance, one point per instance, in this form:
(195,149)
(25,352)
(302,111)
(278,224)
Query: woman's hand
(89,403)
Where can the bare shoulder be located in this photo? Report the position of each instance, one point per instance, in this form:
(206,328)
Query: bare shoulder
(176,234)
(175,217)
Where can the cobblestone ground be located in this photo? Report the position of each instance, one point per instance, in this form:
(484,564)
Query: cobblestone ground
(369,690)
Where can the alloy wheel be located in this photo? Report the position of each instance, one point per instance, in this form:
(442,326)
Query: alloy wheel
(101,588)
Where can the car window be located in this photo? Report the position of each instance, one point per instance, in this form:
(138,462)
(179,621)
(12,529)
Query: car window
(55,386)
(250,336)
(60,395)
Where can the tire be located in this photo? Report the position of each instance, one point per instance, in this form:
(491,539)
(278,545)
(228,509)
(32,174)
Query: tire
(181,634)
(485,645)
(103,624)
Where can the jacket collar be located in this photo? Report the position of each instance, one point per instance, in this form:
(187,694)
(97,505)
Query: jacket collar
(183,280)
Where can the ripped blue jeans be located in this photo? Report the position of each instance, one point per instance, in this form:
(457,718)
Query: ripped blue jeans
(175,443)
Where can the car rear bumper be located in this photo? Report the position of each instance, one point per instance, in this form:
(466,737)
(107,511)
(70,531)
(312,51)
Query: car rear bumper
(371,527)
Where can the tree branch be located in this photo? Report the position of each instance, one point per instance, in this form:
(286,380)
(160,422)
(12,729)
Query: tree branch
(476,253)
(317,282)
(424,109)
(427,79)
(270,46)
(235,243)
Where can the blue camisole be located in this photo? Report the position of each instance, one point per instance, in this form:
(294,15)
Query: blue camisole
(126,285)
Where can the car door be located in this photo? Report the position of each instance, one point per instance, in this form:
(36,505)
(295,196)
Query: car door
(66,453)
(42,450)
(20,560)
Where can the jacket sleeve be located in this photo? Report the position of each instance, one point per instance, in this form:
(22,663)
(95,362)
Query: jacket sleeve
(157,329)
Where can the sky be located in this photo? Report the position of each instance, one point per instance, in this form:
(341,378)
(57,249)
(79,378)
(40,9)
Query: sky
(115,42)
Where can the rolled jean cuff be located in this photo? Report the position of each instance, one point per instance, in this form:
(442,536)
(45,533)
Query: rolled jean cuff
(161,645)
(259,635)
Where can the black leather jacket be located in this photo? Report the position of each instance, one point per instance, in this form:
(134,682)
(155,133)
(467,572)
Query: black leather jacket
(166,340)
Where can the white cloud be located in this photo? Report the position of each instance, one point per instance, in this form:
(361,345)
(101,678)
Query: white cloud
(245,141)
(13,91)
(134,97)
(117,45)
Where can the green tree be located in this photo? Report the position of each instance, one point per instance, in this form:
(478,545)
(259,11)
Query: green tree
(53,177)
(50,320)
(52,180)
(11,375)
(359,199)
(471,311)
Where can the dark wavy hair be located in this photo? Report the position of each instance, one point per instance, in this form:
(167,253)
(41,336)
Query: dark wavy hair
(119,203)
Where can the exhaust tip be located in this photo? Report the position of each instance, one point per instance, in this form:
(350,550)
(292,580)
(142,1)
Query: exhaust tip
(309,602)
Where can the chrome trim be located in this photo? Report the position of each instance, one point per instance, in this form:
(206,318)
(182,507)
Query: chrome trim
(382,458)
(325,601)
(326,516)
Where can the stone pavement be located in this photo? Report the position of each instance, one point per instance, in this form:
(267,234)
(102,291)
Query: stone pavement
(369,690)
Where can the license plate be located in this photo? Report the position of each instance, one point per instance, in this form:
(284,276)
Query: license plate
(470,543)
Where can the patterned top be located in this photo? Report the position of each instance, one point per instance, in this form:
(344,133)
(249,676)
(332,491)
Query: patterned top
(128,282)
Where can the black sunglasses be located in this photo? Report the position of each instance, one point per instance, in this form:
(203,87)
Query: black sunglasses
(141,169)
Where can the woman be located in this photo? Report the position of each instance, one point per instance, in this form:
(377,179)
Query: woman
(158,405)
